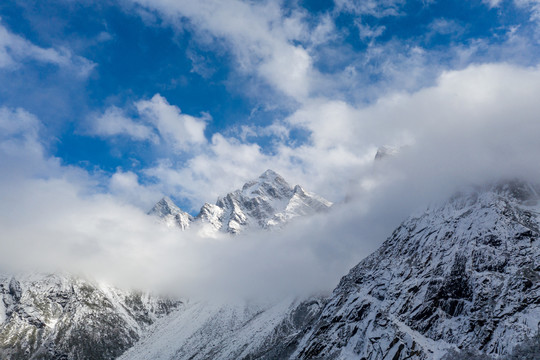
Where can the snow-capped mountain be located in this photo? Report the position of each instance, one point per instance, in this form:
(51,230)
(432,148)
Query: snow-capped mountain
(265,203)
(67,317)
(224,331)
(170,214)
(463,275)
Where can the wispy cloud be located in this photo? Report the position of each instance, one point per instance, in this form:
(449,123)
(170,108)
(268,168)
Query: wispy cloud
(157,121)
(181,131)
(115,122)
(377,8)
(473,125)
(15,49)
(260,36)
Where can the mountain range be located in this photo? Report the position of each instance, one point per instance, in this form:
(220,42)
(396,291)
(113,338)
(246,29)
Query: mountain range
(460,279)
(268,202)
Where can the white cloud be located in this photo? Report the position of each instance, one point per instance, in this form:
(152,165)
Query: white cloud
(259,35)
(19,140)
(532,5)
(473,125)
(126,187)
(156,119)
(377,8)
(115,122)
(369,32)
(15,49)
(180,130)
(53,219)
(492,3)
(219,168)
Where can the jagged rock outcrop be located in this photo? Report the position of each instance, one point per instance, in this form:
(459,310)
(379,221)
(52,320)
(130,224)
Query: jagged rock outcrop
(66,317)
(462,275)
(265,203)
(170,214)
(461,278)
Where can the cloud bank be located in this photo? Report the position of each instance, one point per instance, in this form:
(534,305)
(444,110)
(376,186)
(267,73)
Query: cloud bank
(472,126)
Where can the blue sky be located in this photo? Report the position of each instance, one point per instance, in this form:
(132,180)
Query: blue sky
(107,106)
(189,99)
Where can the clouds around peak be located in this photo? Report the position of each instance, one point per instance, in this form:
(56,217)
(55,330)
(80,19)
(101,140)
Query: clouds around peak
(321,90)
(474,124)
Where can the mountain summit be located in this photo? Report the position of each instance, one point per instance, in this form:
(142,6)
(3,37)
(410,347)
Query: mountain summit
(170,214)
(263,203)
(464,275)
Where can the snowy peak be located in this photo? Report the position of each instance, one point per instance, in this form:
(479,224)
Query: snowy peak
(269,185)
(462,275)
(164,207)
(170,214)
(264,203)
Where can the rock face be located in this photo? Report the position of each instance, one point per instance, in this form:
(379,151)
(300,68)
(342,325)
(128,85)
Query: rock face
(170,214)
(63,317)
(265,203)
(463,275)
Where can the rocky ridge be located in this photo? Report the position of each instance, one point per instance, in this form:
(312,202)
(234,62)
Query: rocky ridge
(170,214)
(268,202)
(67,317)
(464,275)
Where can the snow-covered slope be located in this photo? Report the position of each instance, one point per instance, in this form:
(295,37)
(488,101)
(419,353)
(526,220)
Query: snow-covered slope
(265,203)
(465,274)
(237,330)
(66,317)
(170,214)
(462,275)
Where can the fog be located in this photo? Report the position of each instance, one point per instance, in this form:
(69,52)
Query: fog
(475,125)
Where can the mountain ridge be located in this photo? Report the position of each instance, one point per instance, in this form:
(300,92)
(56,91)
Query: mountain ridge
(463,275)
(267,202)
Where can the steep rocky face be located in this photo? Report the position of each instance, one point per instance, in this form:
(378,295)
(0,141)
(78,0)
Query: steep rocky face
(265,203)
(463,275)
(64,317)
(170,214)
(239,330)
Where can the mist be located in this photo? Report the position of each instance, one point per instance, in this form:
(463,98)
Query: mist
(473,126)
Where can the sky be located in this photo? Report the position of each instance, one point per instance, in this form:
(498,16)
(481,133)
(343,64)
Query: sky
(106,107)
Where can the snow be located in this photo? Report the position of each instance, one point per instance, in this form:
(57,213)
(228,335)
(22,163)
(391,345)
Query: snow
(267,202)
(3,316)
(170,214)
(214,330)
(462,273)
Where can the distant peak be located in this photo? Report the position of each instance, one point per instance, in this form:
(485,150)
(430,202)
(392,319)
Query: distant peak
(166,200)
(269,174)
(386,151)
